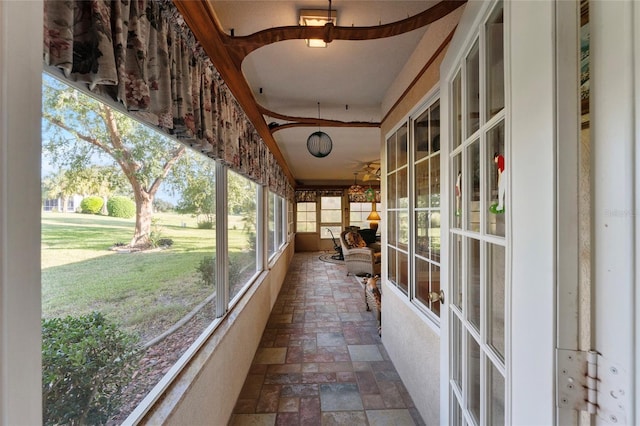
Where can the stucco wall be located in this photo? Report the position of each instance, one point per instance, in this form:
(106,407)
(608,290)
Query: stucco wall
(412,343)
(414,348)
(207,389)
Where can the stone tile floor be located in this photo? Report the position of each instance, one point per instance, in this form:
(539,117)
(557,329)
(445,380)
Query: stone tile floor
(321,360)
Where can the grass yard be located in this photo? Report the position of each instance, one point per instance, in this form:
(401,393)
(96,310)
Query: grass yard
(144,292)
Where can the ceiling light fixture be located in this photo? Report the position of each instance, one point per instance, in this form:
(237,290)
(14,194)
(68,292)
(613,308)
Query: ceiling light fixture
(355,189)
(319,143)
(317,18)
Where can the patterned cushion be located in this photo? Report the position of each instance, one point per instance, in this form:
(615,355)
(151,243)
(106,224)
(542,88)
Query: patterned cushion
(354,240)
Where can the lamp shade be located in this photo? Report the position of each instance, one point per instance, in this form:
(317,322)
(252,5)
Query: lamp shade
(374,216)
(319,144)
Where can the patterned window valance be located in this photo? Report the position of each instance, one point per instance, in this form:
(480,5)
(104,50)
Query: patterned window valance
(369,195)
(306,196)
(142,55)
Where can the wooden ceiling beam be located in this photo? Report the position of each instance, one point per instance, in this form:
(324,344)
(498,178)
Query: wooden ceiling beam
(241,46)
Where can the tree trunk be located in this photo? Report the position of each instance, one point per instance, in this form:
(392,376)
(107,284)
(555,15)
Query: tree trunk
(144,213)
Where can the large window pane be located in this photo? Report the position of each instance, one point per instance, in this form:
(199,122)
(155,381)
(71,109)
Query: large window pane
(330,216)
(331,210)
(473,90)
(271,225)
(358,213)
(242,228)
(495,62)
(306,217)
(111,283)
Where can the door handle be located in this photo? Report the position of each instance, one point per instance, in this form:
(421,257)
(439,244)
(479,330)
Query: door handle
(435,296)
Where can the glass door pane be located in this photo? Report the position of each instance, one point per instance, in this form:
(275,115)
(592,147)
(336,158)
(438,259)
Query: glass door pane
(456,276)
(496,180)
(456,110)
(495,62)
(473,378)
(473,282)
(472,182)
(456,167)
(496,405)
(495,281)
(473,90)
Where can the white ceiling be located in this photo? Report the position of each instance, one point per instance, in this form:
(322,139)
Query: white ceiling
(348,78)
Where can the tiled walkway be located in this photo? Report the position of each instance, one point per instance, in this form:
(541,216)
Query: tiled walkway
(321,361)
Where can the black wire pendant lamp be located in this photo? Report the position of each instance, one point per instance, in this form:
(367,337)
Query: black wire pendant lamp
(319,143)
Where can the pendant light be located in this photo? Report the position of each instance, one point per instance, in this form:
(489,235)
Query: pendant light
(319,143)
(355,189)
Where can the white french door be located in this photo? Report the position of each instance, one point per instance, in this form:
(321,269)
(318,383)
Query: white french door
(478,212)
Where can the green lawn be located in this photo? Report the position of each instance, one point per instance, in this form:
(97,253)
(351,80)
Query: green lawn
(144,292)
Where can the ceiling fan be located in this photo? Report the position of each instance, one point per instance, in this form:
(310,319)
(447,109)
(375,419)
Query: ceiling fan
(371,171)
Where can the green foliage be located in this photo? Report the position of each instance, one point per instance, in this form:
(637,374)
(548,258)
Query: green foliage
(205,224)
(156,238)
(207,270)
(165,242)
(91,205)
(198,189)
(162,205)
(86,361)
(121,207)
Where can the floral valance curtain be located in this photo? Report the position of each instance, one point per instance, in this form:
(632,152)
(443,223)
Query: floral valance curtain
(142,55)
(369,195)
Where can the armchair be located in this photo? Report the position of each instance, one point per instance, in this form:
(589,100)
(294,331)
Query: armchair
(359,258)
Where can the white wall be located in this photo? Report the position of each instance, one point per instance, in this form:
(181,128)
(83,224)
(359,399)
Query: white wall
(20,85)
(207,389)
(414,348)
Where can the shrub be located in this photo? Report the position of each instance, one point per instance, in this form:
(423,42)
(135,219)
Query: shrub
(205,224)
(207,269)
(86,362)
(121,207)
(91,205)
(164,242)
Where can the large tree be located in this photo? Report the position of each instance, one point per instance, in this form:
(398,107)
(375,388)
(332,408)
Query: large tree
(80,131)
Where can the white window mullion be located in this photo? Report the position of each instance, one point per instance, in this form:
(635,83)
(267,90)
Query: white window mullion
(222,251)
